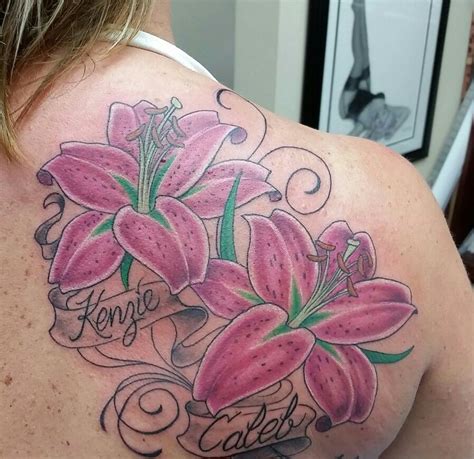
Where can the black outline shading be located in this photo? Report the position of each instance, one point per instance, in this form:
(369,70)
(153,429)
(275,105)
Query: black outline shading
(148,378)
(299,169)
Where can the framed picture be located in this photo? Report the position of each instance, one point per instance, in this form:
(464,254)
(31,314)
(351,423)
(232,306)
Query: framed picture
(372,69)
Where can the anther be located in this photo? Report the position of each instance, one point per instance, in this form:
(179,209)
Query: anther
(361,265)
(350,288)
(342,265)
(316,258)
(325,246)
(177,129)
(135,134)
(175,143)
(370,260)
(155,111)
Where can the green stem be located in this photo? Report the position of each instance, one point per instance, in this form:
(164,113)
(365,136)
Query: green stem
(148,158)
(141,159)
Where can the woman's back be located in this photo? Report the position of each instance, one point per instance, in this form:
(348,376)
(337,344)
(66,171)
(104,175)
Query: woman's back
(217,281)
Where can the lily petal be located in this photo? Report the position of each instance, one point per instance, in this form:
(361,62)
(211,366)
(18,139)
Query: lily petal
(328,380)
(196,122)
(206,135)
(342,381)
(112,160)
(171,241)
(213,189)
(226,290)
(364,380)
(279,269)
(269,262)
(86,254)
(244,359)
(337,234)
(89,173)
(122,122)
(191,233)
(380,309)
(299,245)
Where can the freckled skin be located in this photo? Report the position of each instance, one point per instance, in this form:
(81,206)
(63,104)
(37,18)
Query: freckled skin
(64,421)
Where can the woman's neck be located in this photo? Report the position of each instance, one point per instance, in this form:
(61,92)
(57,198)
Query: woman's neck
(159,20)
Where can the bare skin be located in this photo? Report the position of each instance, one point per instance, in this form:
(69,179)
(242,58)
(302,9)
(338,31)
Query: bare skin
(52,397)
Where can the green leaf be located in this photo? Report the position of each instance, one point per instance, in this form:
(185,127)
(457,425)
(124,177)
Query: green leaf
(125,269)
(382,357)
(129,189)
(157,179)
(314,319)
(226,237)
(295,300)
(160,218)
(191,191)
(279,330)
(253,297)
(103,227)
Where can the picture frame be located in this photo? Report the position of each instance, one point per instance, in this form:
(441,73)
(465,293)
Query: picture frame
(372,70)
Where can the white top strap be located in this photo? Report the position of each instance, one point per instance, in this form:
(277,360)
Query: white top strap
(149,42)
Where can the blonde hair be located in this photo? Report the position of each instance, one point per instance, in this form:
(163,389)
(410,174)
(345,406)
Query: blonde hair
(62,31)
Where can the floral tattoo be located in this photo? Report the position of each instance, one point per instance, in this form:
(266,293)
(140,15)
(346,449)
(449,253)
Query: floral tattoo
(159,215)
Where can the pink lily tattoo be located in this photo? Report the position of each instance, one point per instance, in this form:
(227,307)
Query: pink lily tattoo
(145,192)
(300,303)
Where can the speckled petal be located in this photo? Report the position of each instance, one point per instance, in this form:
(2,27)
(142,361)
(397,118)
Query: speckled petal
(245,359)
(87,173)
(299,245)
(214,187)
(122,122)
(85,256)
(380,309)
(226,290)
(342,381)
(204,137)
(269,262)
(337,234)
(171,241)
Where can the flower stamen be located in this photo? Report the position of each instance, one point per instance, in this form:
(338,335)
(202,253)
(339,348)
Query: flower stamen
(361,265)
(175,143)
(136,133)
(325,246)
(342,264)
(350,288)
(352,245)
(316,258)
(179,132)
(156,111)
(153,149)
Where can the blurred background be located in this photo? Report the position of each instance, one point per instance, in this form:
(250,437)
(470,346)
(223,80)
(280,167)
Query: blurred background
(258,48)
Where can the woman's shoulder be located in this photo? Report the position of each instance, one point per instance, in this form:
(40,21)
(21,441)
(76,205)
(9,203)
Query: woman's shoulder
(240,283)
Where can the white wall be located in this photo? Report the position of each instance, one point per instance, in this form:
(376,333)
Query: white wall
(253,46)
(257,47)
(450,80)
(205,29)
(269,53)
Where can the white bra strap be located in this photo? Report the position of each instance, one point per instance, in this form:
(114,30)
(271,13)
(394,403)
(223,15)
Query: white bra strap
(149,42)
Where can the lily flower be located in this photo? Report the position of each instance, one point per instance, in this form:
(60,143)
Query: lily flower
(145,192)
(299,303)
